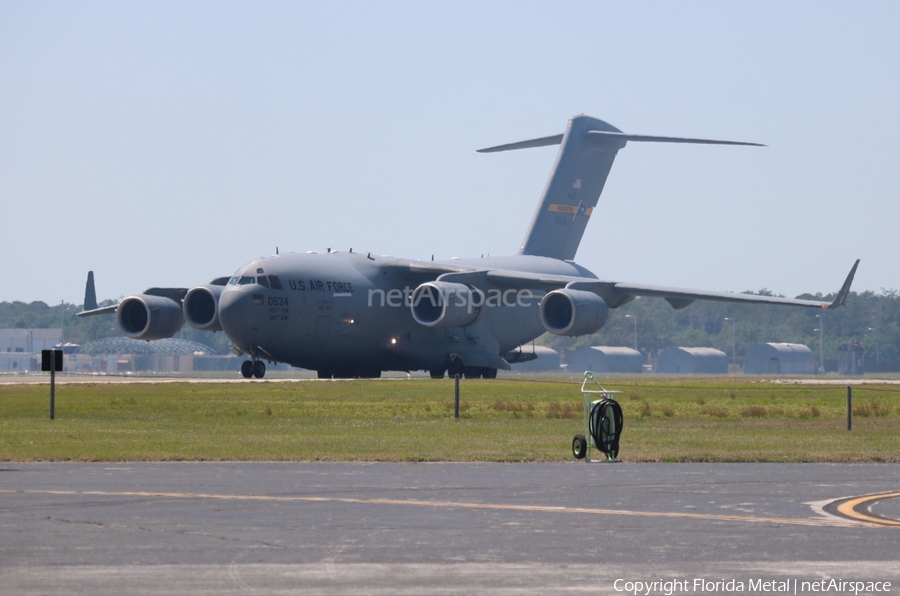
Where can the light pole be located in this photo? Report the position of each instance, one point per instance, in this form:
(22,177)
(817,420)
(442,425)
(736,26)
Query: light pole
(877,354)
(633,320)
(821,331)
(733,357)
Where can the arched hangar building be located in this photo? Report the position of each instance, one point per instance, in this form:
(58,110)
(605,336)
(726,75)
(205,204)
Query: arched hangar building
(692,361)
(779,359)
(604,359)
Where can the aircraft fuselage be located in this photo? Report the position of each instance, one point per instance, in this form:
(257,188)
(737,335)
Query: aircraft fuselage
(350,313)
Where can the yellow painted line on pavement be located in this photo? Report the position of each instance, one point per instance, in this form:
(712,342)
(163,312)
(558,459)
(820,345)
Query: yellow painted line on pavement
(870,522)
(851,509)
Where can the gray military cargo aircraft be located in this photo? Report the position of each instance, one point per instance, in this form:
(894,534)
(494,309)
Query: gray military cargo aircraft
(353,314)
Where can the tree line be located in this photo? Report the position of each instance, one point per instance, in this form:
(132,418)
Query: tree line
(872,320)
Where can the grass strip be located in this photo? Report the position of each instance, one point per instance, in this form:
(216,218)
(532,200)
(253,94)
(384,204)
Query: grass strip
(676,420)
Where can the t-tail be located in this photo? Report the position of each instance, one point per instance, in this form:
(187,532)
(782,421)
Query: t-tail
(586,154)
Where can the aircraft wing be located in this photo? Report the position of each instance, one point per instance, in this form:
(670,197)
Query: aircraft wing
(105,310)
(618,293)
(174,294)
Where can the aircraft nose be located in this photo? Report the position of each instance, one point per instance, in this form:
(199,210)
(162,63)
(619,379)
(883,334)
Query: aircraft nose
(236,315)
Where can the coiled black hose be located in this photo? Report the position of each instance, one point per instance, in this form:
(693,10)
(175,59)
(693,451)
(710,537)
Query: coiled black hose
(605,425)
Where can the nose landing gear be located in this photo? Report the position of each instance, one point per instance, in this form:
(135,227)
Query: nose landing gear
(253,368)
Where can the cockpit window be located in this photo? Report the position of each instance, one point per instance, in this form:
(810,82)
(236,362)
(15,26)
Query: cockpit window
(246,280)
(276,282)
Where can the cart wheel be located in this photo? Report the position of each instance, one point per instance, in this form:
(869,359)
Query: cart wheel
(579,447)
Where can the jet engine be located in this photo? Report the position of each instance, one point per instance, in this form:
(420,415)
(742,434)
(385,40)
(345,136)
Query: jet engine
(201,307)
(149,317)
(441,304)
(573,312)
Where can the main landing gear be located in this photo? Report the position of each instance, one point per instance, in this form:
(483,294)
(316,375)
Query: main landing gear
(359,372)
(468,372)
(253,368)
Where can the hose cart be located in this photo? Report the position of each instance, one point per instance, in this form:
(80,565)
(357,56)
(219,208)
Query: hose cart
(602,421)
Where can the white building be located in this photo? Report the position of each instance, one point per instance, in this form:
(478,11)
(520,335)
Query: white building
(20,349)
(29,341)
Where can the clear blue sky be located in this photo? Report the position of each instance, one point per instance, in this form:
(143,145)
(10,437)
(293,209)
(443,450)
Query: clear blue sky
(167,143)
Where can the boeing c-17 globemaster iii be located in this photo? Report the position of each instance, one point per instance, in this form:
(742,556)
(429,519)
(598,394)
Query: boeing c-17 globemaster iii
(356,314)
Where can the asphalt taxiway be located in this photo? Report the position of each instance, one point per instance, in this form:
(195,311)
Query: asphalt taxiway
(389,528)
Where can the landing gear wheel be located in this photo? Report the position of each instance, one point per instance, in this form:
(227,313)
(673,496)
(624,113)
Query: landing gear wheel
(246,369)
(324,373)
(472,372)
(436,374)
(259,369)
(489,373)
(455,368)
(579,447)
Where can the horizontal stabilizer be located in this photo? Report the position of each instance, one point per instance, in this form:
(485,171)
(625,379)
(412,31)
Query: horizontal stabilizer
(608,135)
(541,142)
(603,134)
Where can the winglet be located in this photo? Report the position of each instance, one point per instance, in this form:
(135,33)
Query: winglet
(845,289)
(90,307)
(90,295)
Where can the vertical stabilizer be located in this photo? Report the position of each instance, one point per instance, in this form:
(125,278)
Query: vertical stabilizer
(586,154)
(572,190)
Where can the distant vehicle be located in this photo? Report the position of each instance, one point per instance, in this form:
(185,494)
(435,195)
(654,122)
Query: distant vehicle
(352,314)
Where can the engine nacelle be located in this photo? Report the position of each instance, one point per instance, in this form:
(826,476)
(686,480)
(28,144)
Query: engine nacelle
(201,307)
(573,312)
(149,317)
(441,304)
